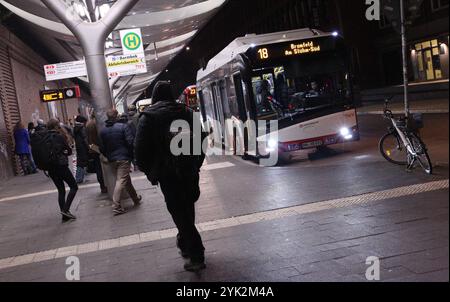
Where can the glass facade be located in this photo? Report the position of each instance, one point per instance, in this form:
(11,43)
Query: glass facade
(430,59)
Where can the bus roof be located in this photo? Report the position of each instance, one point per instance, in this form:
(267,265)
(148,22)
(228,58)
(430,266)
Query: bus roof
(242,44)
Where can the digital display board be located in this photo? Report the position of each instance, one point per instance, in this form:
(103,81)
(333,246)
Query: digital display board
(293,49)
(59,94)
(192,91)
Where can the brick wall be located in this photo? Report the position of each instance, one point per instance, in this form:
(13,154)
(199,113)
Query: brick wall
(24,68)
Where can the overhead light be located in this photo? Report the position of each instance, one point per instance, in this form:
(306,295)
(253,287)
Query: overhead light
(335,33)
(188,48)
(253,45)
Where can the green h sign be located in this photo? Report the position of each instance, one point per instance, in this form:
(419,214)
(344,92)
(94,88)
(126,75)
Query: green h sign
(131,41)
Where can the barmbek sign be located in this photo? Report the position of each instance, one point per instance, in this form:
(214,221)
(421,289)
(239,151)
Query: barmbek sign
(119,66)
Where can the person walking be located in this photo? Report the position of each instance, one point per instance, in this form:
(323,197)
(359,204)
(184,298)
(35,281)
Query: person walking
(177,176)
(22,149)
(117,146)
(56,141)
(31,128)
(82,148)
(94,152)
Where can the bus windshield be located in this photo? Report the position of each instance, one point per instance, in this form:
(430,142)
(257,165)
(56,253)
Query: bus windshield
(301,85)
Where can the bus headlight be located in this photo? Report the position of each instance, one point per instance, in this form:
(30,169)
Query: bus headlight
(272,145)
(346,133)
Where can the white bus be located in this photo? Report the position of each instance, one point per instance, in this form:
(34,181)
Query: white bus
(300,78)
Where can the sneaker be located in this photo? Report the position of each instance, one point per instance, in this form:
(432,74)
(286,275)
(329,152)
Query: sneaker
(68,215)
(119,211)
(138,202)
(194,266)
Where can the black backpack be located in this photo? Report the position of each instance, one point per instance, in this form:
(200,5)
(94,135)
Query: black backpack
(181,164)
(42,148)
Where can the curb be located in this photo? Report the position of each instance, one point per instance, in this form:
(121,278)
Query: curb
(426,111)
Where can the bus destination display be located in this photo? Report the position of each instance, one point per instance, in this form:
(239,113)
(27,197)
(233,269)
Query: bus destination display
(292,49)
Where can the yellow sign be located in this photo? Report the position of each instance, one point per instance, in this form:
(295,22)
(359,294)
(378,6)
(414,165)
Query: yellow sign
(302,48)
(293,49)
(52,96)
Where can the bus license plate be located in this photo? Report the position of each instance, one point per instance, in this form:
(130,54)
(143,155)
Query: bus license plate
(312,144)
(294,147)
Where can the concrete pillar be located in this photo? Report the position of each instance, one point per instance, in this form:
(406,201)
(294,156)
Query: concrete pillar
(92,37)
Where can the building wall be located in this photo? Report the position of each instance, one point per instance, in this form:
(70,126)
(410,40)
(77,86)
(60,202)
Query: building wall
(21,78)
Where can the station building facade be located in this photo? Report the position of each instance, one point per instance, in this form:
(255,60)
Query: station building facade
(21,79)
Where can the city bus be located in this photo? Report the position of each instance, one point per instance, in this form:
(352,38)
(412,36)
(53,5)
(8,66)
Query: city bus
(300,78)
(189,98)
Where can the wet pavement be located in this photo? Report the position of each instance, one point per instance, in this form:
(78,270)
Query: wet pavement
(308,220)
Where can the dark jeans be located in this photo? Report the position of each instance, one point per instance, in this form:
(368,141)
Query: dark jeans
(59,175)
(180,196)
(97,165)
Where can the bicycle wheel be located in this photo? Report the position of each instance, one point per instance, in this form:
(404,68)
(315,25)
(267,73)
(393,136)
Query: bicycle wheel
(422,153)
(393,150)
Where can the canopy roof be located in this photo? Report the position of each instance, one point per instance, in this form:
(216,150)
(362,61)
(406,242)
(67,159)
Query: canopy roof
(167,26)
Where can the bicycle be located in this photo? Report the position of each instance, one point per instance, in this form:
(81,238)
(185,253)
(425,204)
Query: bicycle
(402,144)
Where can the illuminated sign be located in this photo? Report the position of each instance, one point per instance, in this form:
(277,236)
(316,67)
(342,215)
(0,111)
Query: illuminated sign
(298,48)
(193,92)
(292,50)
(59,94)
(302,48)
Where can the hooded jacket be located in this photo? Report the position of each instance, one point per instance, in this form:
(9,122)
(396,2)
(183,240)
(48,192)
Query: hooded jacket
(152,153)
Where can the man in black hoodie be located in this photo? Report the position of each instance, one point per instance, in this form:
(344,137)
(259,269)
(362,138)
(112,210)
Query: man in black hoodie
(178,176)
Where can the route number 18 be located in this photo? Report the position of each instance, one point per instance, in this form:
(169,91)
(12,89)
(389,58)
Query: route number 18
(263,53)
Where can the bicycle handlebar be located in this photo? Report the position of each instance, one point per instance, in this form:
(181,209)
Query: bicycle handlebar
(387,111)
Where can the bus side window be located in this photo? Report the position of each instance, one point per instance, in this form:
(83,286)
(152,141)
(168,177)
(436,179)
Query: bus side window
(202,105)
(240,97)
